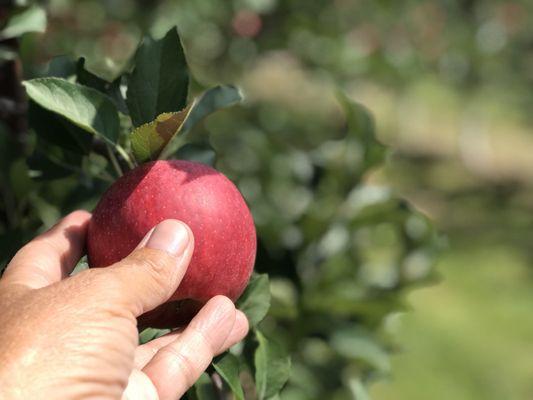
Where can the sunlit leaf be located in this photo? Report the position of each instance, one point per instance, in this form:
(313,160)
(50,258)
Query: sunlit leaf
(32,19)
(149,140)
(7,54)
(212,100)
(82,265)
(83,106)
(159,83)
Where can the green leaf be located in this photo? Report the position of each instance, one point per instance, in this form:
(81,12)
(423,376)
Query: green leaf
(150,334)
(82,265)
(7,54)
(255,301)
(361,126)
(89,79)
(227,367)
(96,166)
(212,100)
(355,343)
(19,182)
(50,162)
(32,19)
(83,106)
(41,168)
(358,390)
(112,89)
(159,82)
(149,140)
(48,213)
(272,367)
(203,389)
(57,130)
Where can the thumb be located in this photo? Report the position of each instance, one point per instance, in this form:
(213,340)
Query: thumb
(152,272)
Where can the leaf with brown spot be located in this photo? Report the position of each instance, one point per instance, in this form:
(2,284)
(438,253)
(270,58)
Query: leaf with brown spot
(149,140)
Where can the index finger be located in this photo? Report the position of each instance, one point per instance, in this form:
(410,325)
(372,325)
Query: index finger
(52,255)
(176,366)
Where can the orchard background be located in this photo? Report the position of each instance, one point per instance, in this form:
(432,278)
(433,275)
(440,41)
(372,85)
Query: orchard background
(449,86)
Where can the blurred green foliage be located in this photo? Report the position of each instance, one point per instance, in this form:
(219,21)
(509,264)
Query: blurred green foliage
(470,337)
(450,84)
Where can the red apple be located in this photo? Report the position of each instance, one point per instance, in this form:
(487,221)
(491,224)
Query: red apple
(203,198)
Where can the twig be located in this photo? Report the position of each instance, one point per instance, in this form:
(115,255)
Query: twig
(125,156)
(114,160)
(218,385)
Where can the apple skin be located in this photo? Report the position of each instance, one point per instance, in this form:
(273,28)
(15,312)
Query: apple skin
(203,198)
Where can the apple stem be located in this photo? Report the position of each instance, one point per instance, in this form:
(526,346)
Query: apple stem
(114,160)
(125,156)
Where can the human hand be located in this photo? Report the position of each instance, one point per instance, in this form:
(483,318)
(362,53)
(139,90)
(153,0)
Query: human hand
(76,337)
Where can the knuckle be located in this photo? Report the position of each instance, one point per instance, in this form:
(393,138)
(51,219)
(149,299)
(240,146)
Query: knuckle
(49,246)
(183,362)
(158,265)
(155,261)
(41,246)
(154,270)
(203,340)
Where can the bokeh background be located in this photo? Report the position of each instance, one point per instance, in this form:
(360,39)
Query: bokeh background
(450,84)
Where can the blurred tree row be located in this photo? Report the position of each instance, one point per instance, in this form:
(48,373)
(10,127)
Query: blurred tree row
(340,247)
(465,42)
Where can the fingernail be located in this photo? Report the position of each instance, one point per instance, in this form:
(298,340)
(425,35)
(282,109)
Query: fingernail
(170,236)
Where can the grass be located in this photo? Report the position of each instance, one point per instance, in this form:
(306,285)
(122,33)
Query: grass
(471,336)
